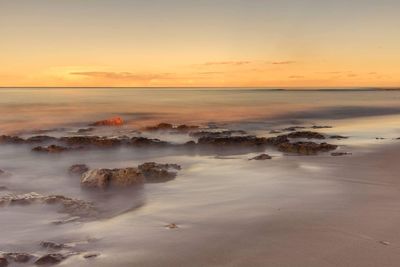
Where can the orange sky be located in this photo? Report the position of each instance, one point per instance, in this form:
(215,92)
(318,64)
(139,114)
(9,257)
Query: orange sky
(304,43)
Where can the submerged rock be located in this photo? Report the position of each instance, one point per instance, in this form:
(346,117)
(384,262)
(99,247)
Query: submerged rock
(71,206)
(160,127)
(306,148)
(293,128)
(85,130)
(143,141)
(156,172)
(116,121)
(40,139)
(262,157)
(78,169)
(90,255)
(338,137)
(18,257)
(53,245)
(104,178)
(50,149)
(306,134)
(50,259)
(336,154)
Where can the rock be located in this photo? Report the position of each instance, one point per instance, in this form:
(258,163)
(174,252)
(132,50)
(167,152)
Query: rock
(3,188)
(216,134)
(321,127)
(143,141)
(104,178)
(78,169)
(40,139)
(50,259)
(90,141)
(90,255)
(1,172)
(172,226)
(277,140)
(53,245)
(306,134)
(336,154)
(275,131)
(3,261)
(293,128)
(85,130)
(71,206)
(186,128)
(338,137)
(19,257)
(116,121)
(160,127)
(155,172)
(262,157)
(7,139)
(233,141)
(50,149)
(306,148)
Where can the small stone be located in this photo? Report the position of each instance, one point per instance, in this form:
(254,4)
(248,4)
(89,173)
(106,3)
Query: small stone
(172,226)
(262,157)
(90,255)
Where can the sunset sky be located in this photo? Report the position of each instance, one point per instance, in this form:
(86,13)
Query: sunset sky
(241,43)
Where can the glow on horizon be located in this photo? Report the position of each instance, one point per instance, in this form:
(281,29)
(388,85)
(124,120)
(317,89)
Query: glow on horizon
(224,43)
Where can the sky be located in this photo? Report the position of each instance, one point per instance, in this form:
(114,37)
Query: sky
(200,43)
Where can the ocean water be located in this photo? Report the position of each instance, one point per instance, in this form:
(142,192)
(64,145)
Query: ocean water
(224,205)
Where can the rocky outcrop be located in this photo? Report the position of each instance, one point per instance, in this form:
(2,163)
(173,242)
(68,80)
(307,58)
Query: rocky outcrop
(50,149)
(155,172)
(306,148)
(116,121)
(277,140)
(338,137)
(262,157)
(105,178)
(78,169)
(217,134)
(306,135)
(71,206)
(169,127)
(40,139)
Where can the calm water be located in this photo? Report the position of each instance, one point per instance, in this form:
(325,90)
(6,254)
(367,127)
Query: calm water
(223,206)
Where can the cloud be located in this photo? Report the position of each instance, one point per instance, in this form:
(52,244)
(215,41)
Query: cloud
(122,75)
(231,63)
(283,62)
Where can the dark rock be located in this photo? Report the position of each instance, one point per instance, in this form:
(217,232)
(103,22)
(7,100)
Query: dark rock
(338,137)
(262,157)
(116,121)
(143,141)
(217,134)
(40,139)
(233,141)
(277,140)
(155,172)
(104,178)
(78,169)
(91,141)
(293,128)
(50,149)
(160,127)
(306,148)
(275,131)
(186,128)
(3,261)
(1,172)
(190,143)
(8,139)
(3,188)
(19,257)
(90,255)
(321,127)
(336,154)
(172,226)
(306,134)
(50,259)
